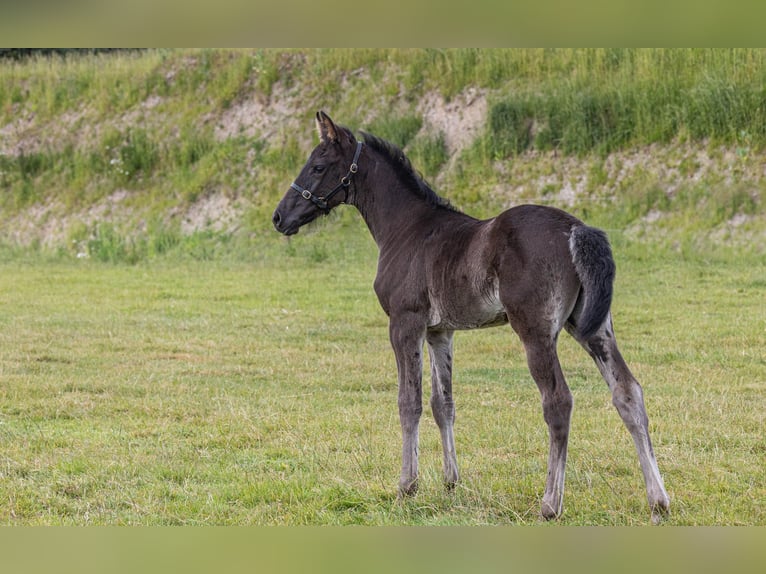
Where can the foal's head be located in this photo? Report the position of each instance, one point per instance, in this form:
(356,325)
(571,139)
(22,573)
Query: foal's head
(323,182)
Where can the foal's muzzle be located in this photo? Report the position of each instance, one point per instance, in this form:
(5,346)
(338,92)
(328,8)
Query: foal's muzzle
(285,225)
(276,219)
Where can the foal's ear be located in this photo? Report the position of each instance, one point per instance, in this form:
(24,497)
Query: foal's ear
(327,130)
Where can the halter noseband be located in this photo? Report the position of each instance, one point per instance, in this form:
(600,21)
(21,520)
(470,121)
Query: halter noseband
(321,201)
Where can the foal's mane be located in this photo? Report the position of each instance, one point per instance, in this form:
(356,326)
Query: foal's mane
(403,168)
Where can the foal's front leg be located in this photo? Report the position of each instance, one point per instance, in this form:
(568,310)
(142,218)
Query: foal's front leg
(407,335)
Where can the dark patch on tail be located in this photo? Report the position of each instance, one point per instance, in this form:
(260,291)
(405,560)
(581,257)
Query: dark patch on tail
(592,257)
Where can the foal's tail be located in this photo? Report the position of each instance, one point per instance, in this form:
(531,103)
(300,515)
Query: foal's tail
(592,258)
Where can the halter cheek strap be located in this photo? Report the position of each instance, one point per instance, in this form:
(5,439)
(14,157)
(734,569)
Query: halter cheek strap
(345,182)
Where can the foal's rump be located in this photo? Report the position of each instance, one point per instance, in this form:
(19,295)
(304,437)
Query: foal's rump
(552,269)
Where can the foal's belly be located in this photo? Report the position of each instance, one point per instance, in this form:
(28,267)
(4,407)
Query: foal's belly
(475,312)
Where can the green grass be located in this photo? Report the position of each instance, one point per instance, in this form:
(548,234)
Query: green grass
(262,391)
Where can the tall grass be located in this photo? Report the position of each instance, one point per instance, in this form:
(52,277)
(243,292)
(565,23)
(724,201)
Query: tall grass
(703,87)
(613,99)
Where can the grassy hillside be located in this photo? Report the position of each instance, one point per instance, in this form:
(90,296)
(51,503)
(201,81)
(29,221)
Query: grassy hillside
(134,155)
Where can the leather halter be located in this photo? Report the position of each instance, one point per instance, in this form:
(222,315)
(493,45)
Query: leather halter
(345,182)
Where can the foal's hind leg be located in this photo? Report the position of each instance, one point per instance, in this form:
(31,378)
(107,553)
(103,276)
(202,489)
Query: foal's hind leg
(627,397)
(440,351)
(557,410)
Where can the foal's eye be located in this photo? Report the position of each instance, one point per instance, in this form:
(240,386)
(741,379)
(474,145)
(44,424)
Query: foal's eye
(318,168)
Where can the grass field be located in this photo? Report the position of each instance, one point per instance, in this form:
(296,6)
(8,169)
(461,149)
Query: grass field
(263,391)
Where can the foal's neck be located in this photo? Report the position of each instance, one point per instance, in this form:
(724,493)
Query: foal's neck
(390,209)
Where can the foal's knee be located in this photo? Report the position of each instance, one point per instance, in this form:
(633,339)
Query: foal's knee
(409,414)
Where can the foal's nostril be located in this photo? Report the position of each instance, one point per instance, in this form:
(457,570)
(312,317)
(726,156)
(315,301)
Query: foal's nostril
(276,219)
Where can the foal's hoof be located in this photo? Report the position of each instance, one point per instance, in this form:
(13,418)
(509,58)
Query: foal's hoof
(548,512)
(660,512)
(408,488)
